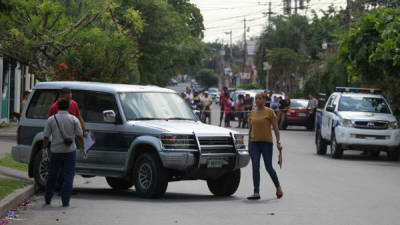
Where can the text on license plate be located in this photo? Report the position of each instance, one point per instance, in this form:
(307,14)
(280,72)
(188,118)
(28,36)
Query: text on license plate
(214,163)
(302,114)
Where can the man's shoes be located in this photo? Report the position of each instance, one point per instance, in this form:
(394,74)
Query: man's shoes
(65,204)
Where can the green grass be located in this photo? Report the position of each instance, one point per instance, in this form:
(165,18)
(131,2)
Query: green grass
(9,162)
(8,186)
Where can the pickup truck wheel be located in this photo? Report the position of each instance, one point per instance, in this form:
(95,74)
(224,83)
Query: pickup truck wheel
(151,178)
(226,185)
(40,170)
(393,155)
(119,183)
(336,149)
(320,143)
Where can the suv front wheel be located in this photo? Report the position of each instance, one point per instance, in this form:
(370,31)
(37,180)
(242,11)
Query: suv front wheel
(151,178)
(226,185)
(336,149)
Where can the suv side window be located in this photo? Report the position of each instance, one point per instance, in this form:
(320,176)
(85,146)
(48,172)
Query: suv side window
(96,103)
(40,104)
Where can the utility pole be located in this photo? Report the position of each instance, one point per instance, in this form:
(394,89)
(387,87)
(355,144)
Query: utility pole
(295,7)
(349,13)
(269,13)
(230,46)
(244,45)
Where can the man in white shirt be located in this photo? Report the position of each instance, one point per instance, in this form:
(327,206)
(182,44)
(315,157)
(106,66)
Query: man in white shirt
(63,128)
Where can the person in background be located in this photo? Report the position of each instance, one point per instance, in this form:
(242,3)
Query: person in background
(239,107)
(228,110)
(73,108)
(196,100)
(206,105)
(284,105)
(275,104)
(183,96)
(189,96)
(26,96)
(62,127)
(222,101)
(261,143)
(312,106)
(248,106)
(268,99)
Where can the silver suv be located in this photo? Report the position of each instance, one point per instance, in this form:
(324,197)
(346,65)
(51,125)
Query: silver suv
(145,137)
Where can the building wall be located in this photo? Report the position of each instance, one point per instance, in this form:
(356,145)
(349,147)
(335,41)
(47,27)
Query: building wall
(14,80)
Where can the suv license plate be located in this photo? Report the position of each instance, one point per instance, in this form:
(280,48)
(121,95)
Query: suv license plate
(302,114)
(213,163)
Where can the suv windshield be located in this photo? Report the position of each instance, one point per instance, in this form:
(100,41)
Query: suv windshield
(151,106)
(363,104)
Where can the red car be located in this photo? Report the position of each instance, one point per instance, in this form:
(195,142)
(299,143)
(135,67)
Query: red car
(298,114)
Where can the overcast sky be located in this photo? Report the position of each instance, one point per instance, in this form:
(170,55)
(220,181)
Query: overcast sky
(222,16)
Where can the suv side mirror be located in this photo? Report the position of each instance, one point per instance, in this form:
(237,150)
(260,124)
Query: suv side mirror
(330,109)
(109,116)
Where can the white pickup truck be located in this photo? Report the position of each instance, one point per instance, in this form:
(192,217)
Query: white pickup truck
(357,119)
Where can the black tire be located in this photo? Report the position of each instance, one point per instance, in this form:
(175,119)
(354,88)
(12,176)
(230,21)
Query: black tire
(375,154)
(151,178)
(336,149)
(320,143)
(119,183)
(226,185)
(393,155)
(40,170)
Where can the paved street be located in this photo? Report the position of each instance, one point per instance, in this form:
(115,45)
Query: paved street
(318,190)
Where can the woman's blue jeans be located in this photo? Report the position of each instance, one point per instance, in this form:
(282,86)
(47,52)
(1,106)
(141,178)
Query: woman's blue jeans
(265,149)
(64,162)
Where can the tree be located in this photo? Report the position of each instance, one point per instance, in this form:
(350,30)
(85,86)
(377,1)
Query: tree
(168,43)
(207,78)
(82,42)
(371,52)
(285,62)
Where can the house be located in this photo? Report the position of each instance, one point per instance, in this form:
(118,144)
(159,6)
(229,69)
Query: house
(14,80)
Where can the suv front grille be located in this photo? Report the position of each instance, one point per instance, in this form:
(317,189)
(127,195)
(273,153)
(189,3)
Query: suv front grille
(179,142)
(216,145)
(377,125)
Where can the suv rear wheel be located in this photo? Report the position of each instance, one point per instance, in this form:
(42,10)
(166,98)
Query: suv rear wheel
(336,149)
(320,143)
(40,170)
(119,183)
(226,185)
(151,178)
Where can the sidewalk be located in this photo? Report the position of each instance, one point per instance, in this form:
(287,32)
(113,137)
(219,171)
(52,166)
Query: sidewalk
(9,132)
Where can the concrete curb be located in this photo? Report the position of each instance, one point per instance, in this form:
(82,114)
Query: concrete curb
(15,174)
(12,200)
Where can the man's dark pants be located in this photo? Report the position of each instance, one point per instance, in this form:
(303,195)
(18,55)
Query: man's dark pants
(64,162)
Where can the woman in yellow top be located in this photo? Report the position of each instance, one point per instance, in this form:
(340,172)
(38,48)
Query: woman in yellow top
(260,143)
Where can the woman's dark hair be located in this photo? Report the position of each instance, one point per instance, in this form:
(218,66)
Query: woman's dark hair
(63,104)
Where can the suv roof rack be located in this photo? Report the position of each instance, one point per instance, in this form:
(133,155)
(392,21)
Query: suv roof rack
(358,90)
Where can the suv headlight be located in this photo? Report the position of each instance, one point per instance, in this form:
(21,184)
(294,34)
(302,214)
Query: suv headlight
(178,142)
(345,123)
(394,125)
(239,142)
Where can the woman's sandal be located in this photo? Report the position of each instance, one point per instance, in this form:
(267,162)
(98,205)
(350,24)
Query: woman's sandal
(279,193)
(254,197)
